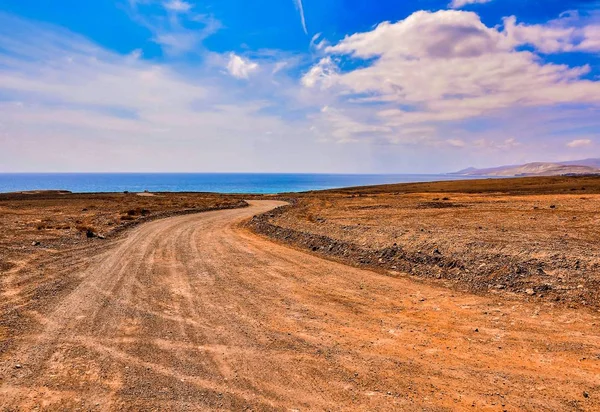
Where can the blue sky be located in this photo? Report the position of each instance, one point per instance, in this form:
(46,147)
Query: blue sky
(354,86)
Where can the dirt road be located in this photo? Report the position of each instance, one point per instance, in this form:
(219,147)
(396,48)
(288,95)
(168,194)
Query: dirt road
(196,313)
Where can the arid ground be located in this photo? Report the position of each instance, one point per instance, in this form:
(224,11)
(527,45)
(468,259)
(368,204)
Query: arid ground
(319,310)
(534,237)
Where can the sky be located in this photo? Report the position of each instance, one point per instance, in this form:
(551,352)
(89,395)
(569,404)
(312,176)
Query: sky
(311,86)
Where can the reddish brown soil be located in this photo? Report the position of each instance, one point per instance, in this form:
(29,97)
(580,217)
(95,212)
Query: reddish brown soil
(534,238)
(38,224)
(195,313)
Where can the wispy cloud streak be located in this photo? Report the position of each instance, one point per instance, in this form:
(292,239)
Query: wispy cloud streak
(300,8)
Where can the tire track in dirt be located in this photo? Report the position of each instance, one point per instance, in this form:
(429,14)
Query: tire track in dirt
(195,313)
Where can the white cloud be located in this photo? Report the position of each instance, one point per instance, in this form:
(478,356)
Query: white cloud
(457,4)
(342,127)
(321,73)
(70,105)
(420,86)
(240,67)
(443,67)
(579,143)
(300,8)
(182,31)
(506,144)
(569,33)
(317,43)
(279,66)
(179,6)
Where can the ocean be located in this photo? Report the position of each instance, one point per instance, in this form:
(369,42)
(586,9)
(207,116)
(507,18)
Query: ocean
(255,183)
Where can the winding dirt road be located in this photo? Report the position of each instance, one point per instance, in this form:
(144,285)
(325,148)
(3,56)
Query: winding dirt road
(196,313)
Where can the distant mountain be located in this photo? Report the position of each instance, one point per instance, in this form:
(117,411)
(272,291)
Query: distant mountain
(575,167)
(585,162)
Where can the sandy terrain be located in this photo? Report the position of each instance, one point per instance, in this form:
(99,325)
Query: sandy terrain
(533,239)
(196,313)
(36,225)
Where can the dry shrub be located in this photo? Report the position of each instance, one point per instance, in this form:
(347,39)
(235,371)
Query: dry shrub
(137,212)
(84,228)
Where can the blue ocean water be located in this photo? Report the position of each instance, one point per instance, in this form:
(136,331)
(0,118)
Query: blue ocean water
(205,182)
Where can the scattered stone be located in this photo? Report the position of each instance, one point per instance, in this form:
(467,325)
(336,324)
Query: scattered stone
(18,366)
(586,395)
(476,329)
(500,287)
(35,243)
(90,234)
(579,286)
(530,292)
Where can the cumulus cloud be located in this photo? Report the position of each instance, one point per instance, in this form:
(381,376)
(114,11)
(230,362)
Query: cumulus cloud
(579,143)
(569,33)
(240,67)
(447,66)
(458,4)
(403,91)
(68,104)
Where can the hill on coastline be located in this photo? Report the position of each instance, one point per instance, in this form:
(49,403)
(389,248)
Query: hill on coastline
(575,167)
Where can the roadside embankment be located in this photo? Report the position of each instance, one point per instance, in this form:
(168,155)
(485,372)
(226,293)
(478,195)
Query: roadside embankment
(521,239)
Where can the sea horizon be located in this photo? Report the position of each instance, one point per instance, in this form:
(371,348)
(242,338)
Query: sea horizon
(218,182)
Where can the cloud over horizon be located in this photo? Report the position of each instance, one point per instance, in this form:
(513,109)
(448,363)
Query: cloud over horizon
(442,69)
(388,98)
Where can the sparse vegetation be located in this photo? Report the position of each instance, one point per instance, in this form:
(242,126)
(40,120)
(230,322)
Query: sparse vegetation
(524,234)
(61,220)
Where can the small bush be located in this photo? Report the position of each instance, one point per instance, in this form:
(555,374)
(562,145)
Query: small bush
(85,228)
